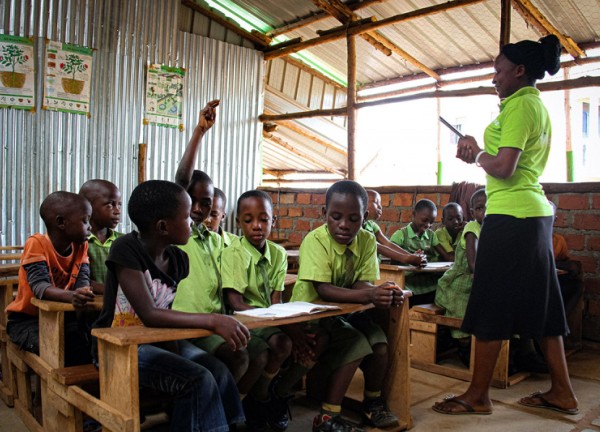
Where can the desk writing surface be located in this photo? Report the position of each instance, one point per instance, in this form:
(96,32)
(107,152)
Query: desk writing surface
(434,267)
(54,306)
(134,335)
(11,269)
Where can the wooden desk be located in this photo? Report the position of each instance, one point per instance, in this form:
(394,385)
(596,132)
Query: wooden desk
(118,361)
(10,256)
(434,267)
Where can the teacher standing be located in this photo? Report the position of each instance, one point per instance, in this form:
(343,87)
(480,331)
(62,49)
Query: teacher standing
(515,288)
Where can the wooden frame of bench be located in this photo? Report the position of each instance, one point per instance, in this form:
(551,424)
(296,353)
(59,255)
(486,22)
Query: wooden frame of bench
(8,287)
(424,322)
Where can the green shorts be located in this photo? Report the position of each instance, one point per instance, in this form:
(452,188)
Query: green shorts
(363,321)
(258,341)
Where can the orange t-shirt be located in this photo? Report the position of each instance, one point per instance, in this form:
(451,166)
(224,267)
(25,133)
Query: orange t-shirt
(559,244)
(63,269)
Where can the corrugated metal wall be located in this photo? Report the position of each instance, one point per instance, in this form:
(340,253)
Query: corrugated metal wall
(48,151)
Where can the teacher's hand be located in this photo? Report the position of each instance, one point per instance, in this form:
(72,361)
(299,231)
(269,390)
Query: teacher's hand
(467,149)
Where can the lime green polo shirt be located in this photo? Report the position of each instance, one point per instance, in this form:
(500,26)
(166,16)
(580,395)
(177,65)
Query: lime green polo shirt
(410,242)
(240,269)
(228,237)
(322,259)
(523,123)
(371,226)
(97,253)
(200,292)
(445,239)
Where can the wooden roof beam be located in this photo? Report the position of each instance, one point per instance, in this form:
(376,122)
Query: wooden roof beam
(275,139)
(343,14)
(533,16)
(274,51)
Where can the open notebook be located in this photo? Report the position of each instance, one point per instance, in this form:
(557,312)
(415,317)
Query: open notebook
(286,310)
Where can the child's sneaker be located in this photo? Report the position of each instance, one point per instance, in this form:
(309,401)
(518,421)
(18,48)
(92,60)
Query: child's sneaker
(278,412)
(255,414)
(377,413)
(325,422)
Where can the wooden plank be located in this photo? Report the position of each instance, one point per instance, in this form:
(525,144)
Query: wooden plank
(82,374)
(461,374)
(351,103)
(10,269)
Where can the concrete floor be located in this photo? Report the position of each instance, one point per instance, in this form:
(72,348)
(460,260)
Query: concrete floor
(428,388)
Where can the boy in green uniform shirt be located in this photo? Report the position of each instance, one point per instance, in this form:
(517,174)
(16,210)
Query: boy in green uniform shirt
(105,199)
(216,216)
(253,270)
(452,224)
(419,237)
(338,262)
(201,291)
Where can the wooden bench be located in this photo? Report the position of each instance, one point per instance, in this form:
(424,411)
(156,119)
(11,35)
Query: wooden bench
(8,288)
(424,322)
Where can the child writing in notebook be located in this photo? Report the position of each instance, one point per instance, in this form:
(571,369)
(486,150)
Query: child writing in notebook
(55,266)
(253,270)
(454,287)
(338,262)
(144,270)
(216,216)
(452,224)
(384,246)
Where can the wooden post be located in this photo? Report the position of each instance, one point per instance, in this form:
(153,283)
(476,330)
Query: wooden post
(142,162)
(351,105)
(505,23)
(439,143)
(569,142)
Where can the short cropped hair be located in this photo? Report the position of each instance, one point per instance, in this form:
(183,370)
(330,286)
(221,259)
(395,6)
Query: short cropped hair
(153,200)
(451,205)
(199,177)
(425,204)
(94,188)
(348,187)
(254,194)
(220,194)
(476,194)
(59,203)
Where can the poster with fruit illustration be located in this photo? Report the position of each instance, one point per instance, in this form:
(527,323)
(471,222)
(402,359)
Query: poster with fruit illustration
(68,77)
(164,96)
(17,68)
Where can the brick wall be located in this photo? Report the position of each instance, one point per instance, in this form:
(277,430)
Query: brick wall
(578,220)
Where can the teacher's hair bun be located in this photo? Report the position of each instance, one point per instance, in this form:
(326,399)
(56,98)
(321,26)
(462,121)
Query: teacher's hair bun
(551,49)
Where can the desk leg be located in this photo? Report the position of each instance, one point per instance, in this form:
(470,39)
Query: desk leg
(119,382)
(397,387)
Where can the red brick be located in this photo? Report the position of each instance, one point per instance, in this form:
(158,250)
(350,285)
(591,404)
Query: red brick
(303,198)
(316,224)
(385,200)
(433,197)
(589,263)
(287,198)
(593,243)
(281,211)
(444,199)
(295,237)
(406,216)
(302,225)
(295,211)
(596,201)
(284,223)
(390,214)
(573,202)
(403,200)
(318,199)
(587,221)
(575,241)
(392,229)
(561,220)
(312,212)
(593,308)
(592,286)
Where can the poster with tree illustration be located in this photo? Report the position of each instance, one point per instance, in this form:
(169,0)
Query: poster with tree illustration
(17,72)
(68,77)
(164,96)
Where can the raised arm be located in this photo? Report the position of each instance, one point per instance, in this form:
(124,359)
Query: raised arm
(206,120)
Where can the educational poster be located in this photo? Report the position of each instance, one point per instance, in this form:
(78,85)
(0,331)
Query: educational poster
(164,96)
(68,77)
(17,72)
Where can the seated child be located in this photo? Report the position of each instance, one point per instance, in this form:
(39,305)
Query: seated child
(105,199)
(454,287)
(384,246)
(55,267)
(253,270)
(216,216)
(201,291)
(452,224)
(338,262)
(418,236)
(144,270)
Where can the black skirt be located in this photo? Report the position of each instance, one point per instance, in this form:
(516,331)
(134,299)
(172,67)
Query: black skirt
(515,286)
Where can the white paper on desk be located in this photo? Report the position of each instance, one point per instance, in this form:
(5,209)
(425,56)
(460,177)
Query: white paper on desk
(441,264)
(286,310)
